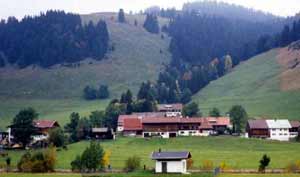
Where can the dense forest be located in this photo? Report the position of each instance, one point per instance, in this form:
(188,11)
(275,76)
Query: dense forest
(207,45)
(51,38)
(231,11)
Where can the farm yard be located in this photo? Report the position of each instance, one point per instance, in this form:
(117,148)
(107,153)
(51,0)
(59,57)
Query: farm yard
(237,153)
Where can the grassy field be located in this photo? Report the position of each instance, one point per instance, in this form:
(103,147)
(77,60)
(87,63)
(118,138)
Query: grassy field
(57,91)
(237,153)
(255,85)
(150,174)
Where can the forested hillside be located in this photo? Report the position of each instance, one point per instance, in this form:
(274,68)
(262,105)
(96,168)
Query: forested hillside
(51,38)
(266,85)
(207,43)
(135,56)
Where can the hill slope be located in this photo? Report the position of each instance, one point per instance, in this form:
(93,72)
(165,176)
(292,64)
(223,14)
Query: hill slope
(56,92)
(257,85)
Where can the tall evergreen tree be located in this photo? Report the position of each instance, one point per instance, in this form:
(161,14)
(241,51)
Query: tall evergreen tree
(121,16)
(22,127)
(151,24)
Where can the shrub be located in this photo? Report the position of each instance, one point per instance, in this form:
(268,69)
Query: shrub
(56,137)
(132,163)
(207,165)
(76,164)
(293,167)
(224,166)
(90,160)
(263,163)
(38,162)
(190,163)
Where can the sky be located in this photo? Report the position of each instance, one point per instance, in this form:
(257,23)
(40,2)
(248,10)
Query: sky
(20,8)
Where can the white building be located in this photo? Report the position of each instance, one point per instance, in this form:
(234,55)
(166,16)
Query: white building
(171,110)
(279,129)
(171,162)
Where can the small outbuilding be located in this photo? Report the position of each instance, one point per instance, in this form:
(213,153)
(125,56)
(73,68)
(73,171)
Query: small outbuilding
(171,162)
(103,133)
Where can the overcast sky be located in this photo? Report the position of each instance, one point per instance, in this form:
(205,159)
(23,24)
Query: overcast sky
(19,8)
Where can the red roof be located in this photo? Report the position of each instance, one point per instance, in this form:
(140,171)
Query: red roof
(132,124)
(122,117)
(220,121)
(45,123)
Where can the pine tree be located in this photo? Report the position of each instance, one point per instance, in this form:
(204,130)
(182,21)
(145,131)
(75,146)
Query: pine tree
(121,16)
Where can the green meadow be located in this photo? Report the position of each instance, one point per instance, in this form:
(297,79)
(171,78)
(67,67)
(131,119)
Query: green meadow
(255,85)
(237,153)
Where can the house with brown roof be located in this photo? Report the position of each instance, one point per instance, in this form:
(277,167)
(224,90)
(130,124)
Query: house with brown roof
(274,129)
(295,128)
(170,110)
(167,127)
(257,128)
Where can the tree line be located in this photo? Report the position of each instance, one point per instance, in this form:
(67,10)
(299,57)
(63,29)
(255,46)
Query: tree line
(51,38)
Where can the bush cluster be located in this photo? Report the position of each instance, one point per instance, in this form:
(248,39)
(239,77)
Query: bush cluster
(38,162)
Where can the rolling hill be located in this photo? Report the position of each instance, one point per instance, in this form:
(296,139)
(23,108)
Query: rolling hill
(267,85)
(57,91)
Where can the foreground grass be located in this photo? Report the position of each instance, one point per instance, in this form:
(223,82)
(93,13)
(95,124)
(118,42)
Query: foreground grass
(255,85)
(150,175)
(237,153)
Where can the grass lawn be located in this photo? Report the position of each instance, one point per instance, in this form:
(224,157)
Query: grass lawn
(150,175)
(59,110)
(255,85)
(237,153)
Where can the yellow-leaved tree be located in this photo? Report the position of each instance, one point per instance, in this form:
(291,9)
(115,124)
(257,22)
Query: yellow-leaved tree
(106,157)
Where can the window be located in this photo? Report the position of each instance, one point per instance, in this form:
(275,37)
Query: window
(273,134)
(182,132)
(273,129)
(285,134)
(280,134)
(162,133)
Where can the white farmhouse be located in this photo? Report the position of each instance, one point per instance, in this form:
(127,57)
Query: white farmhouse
(171,162)
(279,129)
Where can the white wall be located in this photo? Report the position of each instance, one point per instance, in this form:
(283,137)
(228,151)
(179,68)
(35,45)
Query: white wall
(162,134)
(281,134)
(172,166)
(120,128)
(173,114)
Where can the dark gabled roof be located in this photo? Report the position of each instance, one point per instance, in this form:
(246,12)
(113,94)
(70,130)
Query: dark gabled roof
(257,124)
(100,130)
(171,155)
(295,123)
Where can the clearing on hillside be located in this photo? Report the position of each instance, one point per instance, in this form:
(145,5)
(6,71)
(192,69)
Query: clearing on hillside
(57,91)
(259,85)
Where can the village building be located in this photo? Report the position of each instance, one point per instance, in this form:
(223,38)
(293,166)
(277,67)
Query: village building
(43,128)
(277,129)
(294,131)
(171,162)
(103,133)
(168,127)
(257,129)
(170,110)
(132,127)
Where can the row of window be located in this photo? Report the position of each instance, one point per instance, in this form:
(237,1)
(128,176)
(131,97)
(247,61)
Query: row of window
(280,134)
(282,129)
